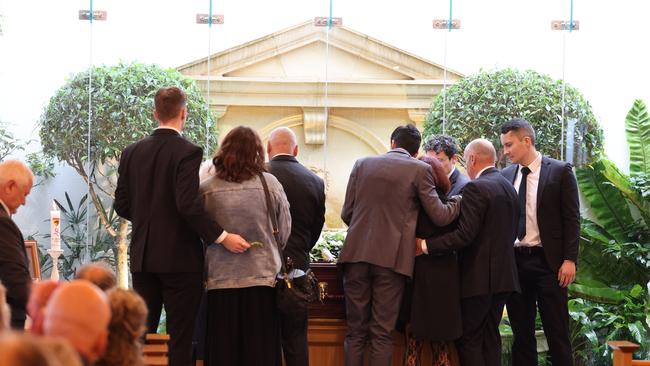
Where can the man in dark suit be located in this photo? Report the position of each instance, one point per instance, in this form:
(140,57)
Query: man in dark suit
(306,195)
(382,201)
(546,247)
(445,149)
(157,190)
(484,235)
(15,184)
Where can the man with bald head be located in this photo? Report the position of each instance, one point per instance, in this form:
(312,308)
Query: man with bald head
(484,236)
(15,184)
(306,195)
(78,311)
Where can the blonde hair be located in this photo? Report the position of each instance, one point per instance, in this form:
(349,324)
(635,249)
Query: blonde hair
(127,325)
(98,273)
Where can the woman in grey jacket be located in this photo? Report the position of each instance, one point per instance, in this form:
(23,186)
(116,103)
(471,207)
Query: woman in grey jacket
(242,324)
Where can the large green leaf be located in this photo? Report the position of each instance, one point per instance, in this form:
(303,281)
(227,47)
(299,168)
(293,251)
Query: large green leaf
(623,184)
(599,269)
(607,203)
(637,126)
(602,295)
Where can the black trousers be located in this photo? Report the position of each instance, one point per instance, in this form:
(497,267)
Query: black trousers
(242,327)
(373,296)
(180,293)
(539,288)
(480,344)
(293,328)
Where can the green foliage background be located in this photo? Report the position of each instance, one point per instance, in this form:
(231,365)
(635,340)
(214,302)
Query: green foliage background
(479,104)
(122,107)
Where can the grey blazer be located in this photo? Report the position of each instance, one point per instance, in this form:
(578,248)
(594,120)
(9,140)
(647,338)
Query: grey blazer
(382,201)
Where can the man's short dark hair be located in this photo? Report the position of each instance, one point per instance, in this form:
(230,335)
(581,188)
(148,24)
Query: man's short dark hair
(169,102)
(521,127)
(438,143)
(408,138)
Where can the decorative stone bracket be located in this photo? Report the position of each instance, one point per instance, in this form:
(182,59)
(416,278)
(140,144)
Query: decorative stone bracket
(218,111)
(417,115)
(315,125)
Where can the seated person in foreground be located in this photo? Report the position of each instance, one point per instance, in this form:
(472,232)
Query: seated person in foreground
(125,330)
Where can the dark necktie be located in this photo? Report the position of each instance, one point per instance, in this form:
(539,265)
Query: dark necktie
(521,232)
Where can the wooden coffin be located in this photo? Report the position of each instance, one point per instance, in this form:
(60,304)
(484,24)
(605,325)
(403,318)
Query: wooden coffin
(331,283)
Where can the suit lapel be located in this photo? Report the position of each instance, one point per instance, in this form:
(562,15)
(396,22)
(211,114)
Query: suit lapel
(513,178)
(454,177)
(543,174)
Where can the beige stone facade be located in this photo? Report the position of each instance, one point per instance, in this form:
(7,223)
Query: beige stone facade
(342,101)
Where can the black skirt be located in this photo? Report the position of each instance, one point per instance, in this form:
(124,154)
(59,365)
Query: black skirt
(435,299)
(242,327)
(431,302)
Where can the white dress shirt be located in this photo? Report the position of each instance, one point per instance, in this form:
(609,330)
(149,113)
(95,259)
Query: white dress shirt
(532,230)
(5,207)
(169,128)
(453,169)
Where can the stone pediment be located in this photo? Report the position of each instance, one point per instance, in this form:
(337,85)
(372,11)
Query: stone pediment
(300,53)
(319,70)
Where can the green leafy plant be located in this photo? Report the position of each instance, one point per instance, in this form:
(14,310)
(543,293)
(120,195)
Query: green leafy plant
(121,111)
(102,247)
(479,104)
(328,247)
(8,143)
(614,267)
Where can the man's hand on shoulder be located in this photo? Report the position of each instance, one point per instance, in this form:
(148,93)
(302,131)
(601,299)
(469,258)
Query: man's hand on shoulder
(235,243)
(456,198)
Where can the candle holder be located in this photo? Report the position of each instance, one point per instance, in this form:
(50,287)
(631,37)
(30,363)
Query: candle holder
(55,254)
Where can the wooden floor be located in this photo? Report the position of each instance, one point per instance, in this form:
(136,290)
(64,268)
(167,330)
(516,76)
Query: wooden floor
(326,344)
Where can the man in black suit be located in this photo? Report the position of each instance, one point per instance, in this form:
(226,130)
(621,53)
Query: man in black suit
(306,195)
(15,184)
(445,149)
(484,235)
(546,247)
(157,190)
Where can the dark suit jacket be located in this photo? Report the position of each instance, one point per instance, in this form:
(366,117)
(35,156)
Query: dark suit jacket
(486,230)
(157,190)
(306,195)
(558,210)
(458,181)
(382,201)
(14,270)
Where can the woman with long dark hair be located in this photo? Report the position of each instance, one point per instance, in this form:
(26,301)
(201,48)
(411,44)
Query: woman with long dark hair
(242,323)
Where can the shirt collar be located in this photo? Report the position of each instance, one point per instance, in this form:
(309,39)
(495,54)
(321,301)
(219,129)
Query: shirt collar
(482,170)
(169,128)
(281,154)
(400,150)
(5,208)
(535,164)
(453,169)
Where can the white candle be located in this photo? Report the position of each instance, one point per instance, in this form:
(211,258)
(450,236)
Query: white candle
(55,227)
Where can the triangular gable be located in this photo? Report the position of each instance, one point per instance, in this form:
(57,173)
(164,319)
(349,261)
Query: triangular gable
(352,55)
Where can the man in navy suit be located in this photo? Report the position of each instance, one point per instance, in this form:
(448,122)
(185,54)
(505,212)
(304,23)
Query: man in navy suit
(445,149)
(15,184)
(486,229)
(546,248)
